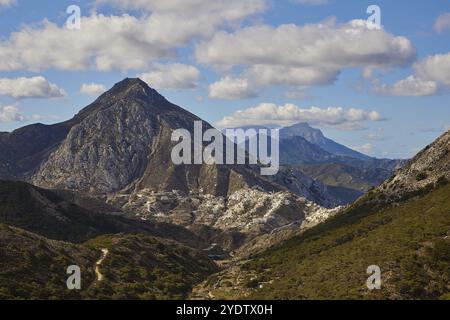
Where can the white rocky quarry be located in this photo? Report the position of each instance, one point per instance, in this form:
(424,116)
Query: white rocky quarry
(248,210)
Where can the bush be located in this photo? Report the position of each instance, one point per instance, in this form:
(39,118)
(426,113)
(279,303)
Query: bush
(442,181)
(421,176)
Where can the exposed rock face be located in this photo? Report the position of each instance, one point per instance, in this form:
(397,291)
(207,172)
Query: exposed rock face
(107,151)
(431,166)
(251,211)
(300,184)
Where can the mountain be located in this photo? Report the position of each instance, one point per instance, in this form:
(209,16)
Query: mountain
(316,137)
(401,226)
(297,150)
(123,140)
(345,174)
(117,151)
(23,150)
(114,156)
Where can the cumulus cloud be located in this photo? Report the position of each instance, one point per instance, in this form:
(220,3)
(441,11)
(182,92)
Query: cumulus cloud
(431,76)
(442,22)
(35,87)
(411,86)
(293,76)
(229,88)
(257,76)
(289,114)
(218,9)
(435,68)
(10,114)
(307,55)
(121,42)
(325,45)
(7,3)
(172,76)
(92,89)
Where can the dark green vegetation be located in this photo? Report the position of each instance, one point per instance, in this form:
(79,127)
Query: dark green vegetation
(41,234)
(409,241)
(142,267)
(34,267)
(347,176)
(136,267)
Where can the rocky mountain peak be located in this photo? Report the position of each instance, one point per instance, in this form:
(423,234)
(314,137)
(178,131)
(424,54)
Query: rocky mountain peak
(304,130)
(132,87)
(128,92)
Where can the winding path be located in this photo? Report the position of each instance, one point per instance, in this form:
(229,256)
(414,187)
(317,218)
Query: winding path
(98,264)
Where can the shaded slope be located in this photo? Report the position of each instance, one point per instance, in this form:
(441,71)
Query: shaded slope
(47,214)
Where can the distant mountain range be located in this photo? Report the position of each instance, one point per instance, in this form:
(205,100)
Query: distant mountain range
(316,137)
(346,173)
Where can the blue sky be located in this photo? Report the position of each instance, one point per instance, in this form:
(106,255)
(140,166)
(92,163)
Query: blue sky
(384,92)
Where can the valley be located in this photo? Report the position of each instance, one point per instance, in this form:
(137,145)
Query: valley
(100,191)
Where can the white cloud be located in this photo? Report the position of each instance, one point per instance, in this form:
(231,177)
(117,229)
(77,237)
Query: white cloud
(218,9)
(281,75)
(289,114)
(311,2)
(10,113)
(92,89)
(7,3)
(229,88)
(35,87)
(435,68)
(172,76)
(431,76)
(121,42)
(258,76)
(411,86)
(325,45)
(366,148)
(307,55)
(442,22)
(39,117)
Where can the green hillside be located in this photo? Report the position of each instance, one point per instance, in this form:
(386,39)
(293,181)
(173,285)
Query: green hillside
(142,267)
(408,241)
(136,267)
(34,267)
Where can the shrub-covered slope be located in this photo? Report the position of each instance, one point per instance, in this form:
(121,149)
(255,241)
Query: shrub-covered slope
(409,241)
